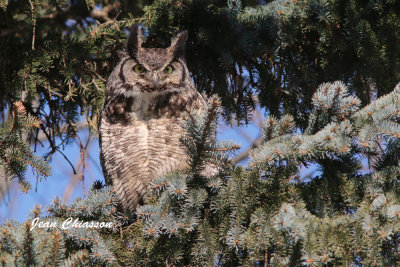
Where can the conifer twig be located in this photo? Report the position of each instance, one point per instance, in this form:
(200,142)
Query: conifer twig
(245,154)
(200,146)
(34,24)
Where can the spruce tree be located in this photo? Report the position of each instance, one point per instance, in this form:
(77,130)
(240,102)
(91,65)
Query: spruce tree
(55,57)
(266,214)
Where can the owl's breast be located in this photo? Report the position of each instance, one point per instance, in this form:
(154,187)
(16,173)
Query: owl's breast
(143,149)
(145,142)
(140,139)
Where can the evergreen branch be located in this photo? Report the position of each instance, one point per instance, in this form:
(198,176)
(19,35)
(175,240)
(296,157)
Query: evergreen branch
(246,153)
(44,247)
(215,163)
(77,258)
(56,240)
(206,132)
(37,165)
(338,135)
(3,4)
(232,148)
(15,152)
(34,24)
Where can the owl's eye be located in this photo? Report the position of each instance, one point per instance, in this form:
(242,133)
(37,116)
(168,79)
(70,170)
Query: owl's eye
(169,69)
(138,69)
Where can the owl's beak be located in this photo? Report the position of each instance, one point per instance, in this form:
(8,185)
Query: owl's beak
(155,80)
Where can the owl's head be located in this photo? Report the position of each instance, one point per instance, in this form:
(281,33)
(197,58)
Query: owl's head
(154,69)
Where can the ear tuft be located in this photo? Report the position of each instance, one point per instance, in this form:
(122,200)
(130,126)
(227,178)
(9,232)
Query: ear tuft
(135,39)
(178,44)
(122,53)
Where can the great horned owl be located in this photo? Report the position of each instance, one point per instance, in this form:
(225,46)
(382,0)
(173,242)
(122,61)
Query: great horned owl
(141,121)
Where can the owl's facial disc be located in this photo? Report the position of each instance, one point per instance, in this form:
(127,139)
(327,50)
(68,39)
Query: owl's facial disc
(149,78)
